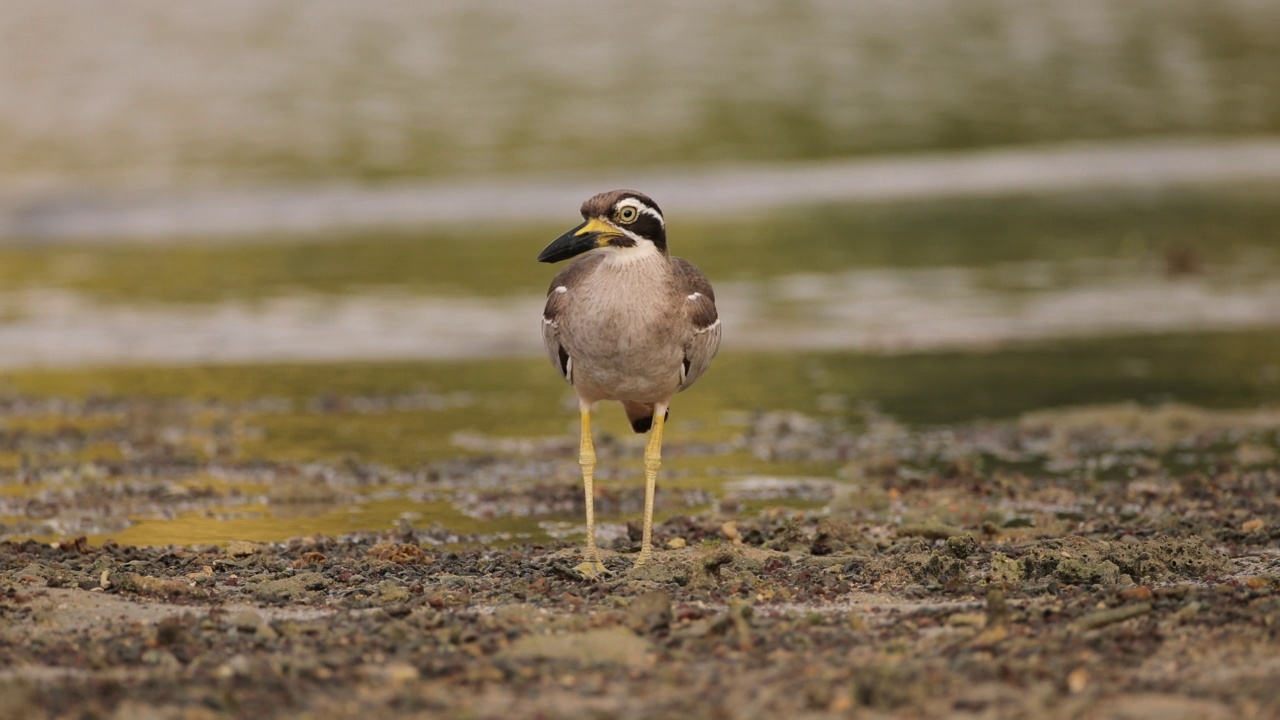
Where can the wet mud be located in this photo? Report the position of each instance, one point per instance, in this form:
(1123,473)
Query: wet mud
(1103,562)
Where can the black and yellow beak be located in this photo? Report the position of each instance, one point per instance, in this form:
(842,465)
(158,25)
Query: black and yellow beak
(589,235)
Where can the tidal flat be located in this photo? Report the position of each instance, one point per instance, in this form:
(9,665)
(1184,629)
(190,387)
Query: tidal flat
(1083,527)
(984,457)
(994,432)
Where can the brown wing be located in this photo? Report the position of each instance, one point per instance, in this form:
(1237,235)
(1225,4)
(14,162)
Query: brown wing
(560,300)
(700,301)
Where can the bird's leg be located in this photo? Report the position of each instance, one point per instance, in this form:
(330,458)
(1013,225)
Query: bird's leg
(591,566)
(652,461)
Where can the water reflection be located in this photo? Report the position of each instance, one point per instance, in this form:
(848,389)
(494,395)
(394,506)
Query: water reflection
(882,310)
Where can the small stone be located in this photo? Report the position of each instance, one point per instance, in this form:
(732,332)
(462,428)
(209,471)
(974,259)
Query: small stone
(1253,525)
(1077,681)
(1139,594)
(676,543)
(156,586)
(240,548)
(730,530)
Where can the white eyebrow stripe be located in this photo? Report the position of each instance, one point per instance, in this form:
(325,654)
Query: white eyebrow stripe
(641,207)
(560,290)
(695,296)
(654,214)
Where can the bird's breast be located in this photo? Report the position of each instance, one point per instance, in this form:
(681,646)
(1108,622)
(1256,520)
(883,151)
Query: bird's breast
(624,332)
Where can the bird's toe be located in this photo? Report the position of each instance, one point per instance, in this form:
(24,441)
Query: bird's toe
(592,569)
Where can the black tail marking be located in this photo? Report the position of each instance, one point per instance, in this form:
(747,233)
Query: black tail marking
(643,424)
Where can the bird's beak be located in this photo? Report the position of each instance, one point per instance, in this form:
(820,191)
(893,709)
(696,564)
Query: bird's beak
(587,236)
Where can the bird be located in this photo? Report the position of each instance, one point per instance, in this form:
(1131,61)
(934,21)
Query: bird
(626,321)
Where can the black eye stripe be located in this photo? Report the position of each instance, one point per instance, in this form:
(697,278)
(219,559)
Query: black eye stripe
(647,226)
(636,211)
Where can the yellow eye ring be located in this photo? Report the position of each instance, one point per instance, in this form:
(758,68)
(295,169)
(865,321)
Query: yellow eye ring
(627,214)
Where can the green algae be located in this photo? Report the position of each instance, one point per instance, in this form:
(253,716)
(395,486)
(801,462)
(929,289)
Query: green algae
(1183,230)
(274,451)
(523,396)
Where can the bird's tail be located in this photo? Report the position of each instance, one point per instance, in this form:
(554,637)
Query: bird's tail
(641,415)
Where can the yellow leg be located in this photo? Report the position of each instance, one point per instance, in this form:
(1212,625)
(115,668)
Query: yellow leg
(652,461)
(591,566)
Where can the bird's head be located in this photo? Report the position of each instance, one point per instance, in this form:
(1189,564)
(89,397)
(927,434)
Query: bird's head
(624,222)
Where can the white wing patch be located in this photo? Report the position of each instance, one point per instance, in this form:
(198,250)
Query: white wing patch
(712,326)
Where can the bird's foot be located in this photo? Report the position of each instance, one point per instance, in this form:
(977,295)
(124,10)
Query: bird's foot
(592,569)
(644,557)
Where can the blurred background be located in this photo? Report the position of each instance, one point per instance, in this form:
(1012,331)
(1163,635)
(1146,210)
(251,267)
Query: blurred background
(373,180)
(161,94)
(1023,204)
(441,143)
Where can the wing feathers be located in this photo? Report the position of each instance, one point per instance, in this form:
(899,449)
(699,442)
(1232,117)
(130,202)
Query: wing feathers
(700,301)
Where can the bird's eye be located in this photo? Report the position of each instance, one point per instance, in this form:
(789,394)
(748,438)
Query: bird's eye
(627,214)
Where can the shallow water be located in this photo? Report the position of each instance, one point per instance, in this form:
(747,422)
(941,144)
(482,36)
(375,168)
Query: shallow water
(901,276)
(243,389)
(717,191)
(880,311)
(159,94)
(486,451)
